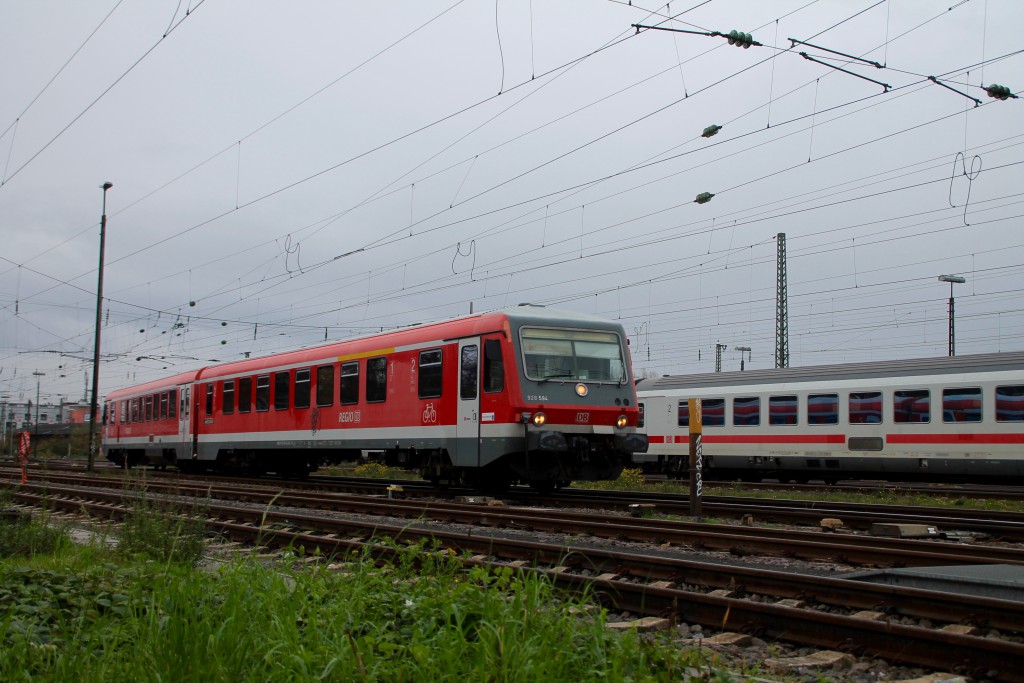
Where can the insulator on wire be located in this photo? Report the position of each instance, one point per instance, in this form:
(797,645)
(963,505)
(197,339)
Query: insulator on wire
(1000,92)
(740,39)
(703,198)
(710,130)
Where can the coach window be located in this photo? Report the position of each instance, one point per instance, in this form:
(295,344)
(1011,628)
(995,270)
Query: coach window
(302,388)
(124,411)
(172,403)
(430,373)
(350,383)
(961,405)
(245,394)
(149,408)
(494,367)
(263,393)
(1010,404)
(163,405)
(912,405)
(209,398)
(823,409)
(325,385)
(713,412)
(376,379)
(865,407)
(227,397)
(469,373)
(683,413)
(282,383)
(746,411)
(782,410)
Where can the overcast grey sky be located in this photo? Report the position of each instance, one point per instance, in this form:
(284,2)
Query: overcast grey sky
(286,172)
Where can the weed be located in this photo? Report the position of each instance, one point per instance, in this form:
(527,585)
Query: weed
(23,536)
(163,530)
(377,470)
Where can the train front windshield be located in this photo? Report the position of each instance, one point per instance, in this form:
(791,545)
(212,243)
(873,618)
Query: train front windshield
(573,355)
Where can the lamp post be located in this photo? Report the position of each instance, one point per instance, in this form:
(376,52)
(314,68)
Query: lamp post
(742,350)
(35,423)
(952,280)
(93,411)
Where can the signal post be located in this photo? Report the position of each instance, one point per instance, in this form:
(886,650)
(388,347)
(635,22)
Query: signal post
(696,457)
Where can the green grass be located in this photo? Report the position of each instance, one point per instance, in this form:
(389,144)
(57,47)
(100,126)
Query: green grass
(85,613)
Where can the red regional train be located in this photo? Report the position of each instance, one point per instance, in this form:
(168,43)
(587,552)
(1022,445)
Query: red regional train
(525,395)
(939,419)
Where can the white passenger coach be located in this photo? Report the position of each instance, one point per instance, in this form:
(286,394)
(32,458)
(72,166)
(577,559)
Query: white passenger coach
(942,419)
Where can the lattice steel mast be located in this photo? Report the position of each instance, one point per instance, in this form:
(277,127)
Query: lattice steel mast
(781,307)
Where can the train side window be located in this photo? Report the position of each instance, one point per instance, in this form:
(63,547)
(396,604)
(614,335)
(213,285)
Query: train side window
(683,413)
(172,403)
(469,375)
(713,412)
(639,419)
(209,398)
(782,410)
(122,411)
(325,385)
(961,405)
(865,407)
(1010,404)
(163,405)
(263,393)
(227,397)
(302,389)
(350,383)
(823,409)
(430,373)
(494,367)
(746,411)
(282,383)
(911,405)
(149,408)
(245,394)
(376,379)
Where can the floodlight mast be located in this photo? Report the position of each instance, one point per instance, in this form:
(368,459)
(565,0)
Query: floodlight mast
(952,280)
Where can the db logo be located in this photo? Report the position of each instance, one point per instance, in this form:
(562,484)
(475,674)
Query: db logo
(582,417)
(429,414)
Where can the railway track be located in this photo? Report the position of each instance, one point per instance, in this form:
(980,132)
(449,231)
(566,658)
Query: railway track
(820,611)
(738,540)
(996,525)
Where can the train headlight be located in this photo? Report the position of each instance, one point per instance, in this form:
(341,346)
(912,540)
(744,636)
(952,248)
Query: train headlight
(581,389)
(539,419)
(622,421)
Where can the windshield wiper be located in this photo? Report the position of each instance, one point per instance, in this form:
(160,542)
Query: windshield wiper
(558,376)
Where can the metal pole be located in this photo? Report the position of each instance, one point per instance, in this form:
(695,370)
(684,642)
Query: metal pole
(93,411)
(952,280)
(952,329)
(35,423)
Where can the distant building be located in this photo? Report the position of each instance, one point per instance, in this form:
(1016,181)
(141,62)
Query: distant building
(18,415)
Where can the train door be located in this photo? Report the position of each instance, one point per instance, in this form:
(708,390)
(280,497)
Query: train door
(184,424)
(467,427)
